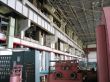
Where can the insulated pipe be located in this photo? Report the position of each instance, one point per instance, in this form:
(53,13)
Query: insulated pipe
(102,61)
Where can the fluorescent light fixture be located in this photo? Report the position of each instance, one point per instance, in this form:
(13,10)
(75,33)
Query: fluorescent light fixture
(15,49)
(5,52)
(19,49)
(10,51)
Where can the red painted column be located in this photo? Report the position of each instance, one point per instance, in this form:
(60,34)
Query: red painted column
(102,60)
(106,11)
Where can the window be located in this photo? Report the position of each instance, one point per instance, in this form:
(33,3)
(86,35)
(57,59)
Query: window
(3,25)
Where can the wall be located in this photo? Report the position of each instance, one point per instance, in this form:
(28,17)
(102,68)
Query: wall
(92,53)
(92,56)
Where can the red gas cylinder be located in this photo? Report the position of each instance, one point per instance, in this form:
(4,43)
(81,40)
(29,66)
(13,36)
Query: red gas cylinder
(65,71)
(16,74)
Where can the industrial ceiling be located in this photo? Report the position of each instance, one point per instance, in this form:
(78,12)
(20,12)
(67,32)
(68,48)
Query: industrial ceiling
(82,15)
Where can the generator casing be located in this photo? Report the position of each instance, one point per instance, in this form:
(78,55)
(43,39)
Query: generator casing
(66,71)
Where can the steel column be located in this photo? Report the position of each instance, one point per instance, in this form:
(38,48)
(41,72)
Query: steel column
(106,11)
(37,66)
(10,35)
(102,60)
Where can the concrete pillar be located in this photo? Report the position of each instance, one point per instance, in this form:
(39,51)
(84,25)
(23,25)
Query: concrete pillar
(35,2)
(51,41)
(37,66)
(75,38)
(73,51)
(51,18)
(102,60)
(67,31)
(50,8)
(66,47)
(71,32)
(48,57)
(53,9)
(41,38)
(63,24)
(24,1)
(10,35)
(22,34)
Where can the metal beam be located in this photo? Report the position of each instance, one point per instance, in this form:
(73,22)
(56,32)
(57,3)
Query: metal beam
(80,8)
(93,8)
(68,7)
(91,42)
(67,19)
(102,3)
(83,7)
(75,16)
(88,19)
(87,34)
(57,2)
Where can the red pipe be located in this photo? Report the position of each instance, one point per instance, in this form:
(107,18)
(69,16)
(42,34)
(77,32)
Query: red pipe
(102,60)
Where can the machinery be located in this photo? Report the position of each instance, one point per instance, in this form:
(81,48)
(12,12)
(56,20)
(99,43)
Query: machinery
(65,71)
(5,68)
(20,65)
